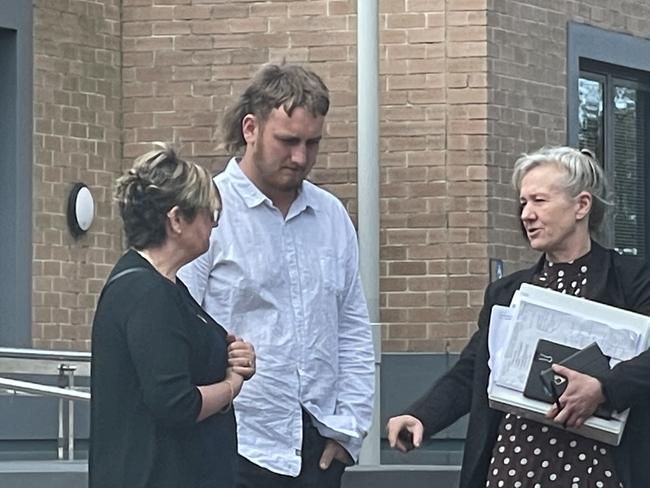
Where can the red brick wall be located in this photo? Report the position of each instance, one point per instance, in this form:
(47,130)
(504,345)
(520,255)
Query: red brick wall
(184,63)
(528,99)
(434,211)
(77,134)
(466,86)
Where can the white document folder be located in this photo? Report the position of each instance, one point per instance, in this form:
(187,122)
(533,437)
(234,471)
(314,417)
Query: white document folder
(511,401)
(539,313)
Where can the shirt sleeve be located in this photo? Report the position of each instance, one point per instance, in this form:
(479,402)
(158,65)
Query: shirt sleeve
(159,345)
(356,384)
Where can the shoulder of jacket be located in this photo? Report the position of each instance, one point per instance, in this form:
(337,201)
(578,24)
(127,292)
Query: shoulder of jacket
(140,286)
(625,261)
(629,269)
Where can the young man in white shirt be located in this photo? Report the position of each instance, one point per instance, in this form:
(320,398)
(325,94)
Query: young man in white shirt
(282,272)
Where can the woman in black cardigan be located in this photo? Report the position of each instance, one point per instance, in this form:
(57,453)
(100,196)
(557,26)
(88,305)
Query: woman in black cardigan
(563,199)
(164,374)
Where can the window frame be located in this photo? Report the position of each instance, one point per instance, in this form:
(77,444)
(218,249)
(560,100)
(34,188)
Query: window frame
(585,42)
(610,77)
(16,91)
(613,56)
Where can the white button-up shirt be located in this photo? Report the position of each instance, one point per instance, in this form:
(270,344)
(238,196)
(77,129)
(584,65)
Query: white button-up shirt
(291,287)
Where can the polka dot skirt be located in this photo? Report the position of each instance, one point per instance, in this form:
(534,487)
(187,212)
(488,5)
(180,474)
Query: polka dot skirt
(528,454)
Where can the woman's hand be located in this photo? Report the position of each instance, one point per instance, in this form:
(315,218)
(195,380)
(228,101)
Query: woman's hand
(404,432)
(579,401)
(241,357)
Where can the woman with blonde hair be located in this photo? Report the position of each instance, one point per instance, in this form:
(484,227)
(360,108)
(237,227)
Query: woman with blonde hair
(164,373)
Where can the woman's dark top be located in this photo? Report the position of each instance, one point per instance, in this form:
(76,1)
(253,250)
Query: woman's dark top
(620,281)
(527,454)
(152,346)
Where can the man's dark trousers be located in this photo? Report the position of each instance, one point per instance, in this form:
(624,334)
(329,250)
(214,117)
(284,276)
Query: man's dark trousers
(311,476)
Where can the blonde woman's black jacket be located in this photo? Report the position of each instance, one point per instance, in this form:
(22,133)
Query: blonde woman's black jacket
(614,280)
(152,345)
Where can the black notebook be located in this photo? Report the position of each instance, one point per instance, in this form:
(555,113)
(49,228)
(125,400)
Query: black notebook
(546,385)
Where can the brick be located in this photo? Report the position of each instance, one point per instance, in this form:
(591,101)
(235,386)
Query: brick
(451,330)
(466,283)
(393,284)
(425,5)
(426,96)
(466,49)
(406,300)
(308,7)
(467,33)
(395,345)
(406,52)
(147,13)
(182,12)
(467,127)
(405,268)
(307,23)
(425,36)
(390,6)
(171,28)
(194,42)
(405,21)
(276,9)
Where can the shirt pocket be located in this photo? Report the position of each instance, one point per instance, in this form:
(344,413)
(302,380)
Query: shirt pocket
(329,296)
(331,272)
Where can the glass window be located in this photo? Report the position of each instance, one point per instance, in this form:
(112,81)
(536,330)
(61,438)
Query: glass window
(613,123)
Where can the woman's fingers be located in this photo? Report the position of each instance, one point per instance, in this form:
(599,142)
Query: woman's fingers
(404,432)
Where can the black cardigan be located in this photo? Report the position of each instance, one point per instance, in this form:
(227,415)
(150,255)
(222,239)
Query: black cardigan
(614,280)
(152,345)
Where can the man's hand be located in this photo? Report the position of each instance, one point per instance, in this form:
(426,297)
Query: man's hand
(404,432)
(334,450)
(579,401)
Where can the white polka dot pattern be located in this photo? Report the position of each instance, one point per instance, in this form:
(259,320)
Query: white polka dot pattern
(548,458)
(538,456)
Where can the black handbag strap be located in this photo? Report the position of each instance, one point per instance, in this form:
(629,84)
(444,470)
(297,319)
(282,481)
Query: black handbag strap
(119,275)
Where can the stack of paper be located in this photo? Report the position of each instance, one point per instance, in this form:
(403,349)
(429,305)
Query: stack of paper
(538,313)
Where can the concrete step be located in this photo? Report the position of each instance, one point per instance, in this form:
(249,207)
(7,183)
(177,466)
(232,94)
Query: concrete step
(74,474)
(44,474)
(411,476)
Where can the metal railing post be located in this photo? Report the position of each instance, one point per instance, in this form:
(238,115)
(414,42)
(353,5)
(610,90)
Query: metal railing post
(66,380)
(71,415)
(59,439)
(40,361)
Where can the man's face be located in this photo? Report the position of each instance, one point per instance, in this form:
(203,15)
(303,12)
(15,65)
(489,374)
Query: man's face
(282,149)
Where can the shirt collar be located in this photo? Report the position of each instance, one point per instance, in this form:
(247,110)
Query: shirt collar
(253,196)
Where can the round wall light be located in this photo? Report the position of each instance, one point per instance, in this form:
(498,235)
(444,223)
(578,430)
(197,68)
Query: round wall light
(81,209)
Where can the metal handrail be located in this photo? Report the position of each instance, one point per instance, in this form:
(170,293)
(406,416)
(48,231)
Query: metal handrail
(39,360)
(27,353)
(45,390)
